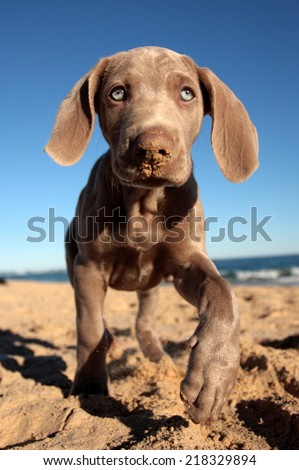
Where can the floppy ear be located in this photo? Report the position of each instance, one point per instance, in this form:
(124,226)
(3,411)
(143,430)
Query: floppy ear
(75,119)
(234,137)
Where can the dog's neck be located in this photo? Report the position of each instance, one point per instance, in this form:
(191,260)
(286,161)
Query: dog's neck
(143,202)
(167,201)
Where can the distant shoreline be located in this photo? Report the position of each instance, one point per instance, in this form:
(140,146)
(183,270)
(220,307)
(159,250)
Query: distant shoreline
(267,270)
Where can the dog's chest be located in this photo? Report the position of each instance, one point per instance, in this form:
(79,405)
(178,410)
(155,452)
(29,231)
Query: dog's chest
(133,270)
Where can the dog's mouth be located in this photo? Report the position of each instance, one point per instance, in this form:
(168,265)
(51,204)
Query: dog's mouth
(155,170)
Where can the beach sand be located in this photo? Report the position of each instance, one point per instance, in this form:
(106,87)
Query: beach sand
(37,353)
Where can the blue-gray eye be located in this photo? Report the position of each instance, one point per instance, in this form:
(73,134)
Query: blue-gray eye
(118,94)
(186,94)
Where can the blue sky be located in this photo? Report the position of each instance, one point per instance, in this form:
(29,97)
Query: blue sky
(47,46)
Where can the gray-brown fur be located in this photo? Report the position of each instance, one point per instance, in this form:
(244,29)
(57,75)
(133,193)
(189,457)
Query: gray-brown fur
(145,182)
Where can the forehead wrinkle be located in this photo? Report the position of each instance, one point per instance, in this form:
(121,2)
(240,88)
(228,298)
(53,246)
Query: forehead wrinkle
(151,75)
(149,70)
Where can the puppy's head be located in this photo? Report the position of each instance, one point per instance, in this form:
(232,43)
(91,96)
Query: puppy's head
(151,103)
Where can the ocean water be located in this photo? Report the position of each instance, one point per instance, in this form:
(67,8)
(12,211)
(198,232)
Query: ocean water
(272,270)
(261,270)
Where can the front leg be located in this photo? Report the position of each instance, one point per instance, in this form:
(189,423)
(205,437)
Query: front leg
(93,339)
(214,358)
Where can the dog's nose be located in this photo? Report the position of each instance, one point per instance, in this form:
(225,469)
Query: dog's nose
(155,143)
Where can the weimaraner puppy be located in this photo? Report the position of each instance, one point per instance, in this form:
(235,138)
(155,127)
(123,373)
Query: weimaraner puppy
(139,219)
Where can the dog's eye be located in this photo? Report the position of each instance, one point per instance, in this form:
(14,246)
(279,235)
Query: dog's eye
(186,94)
(118,94)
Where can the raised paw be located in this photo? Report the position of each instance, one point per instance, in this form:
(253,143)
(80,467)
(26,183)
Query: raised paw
(210,377)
